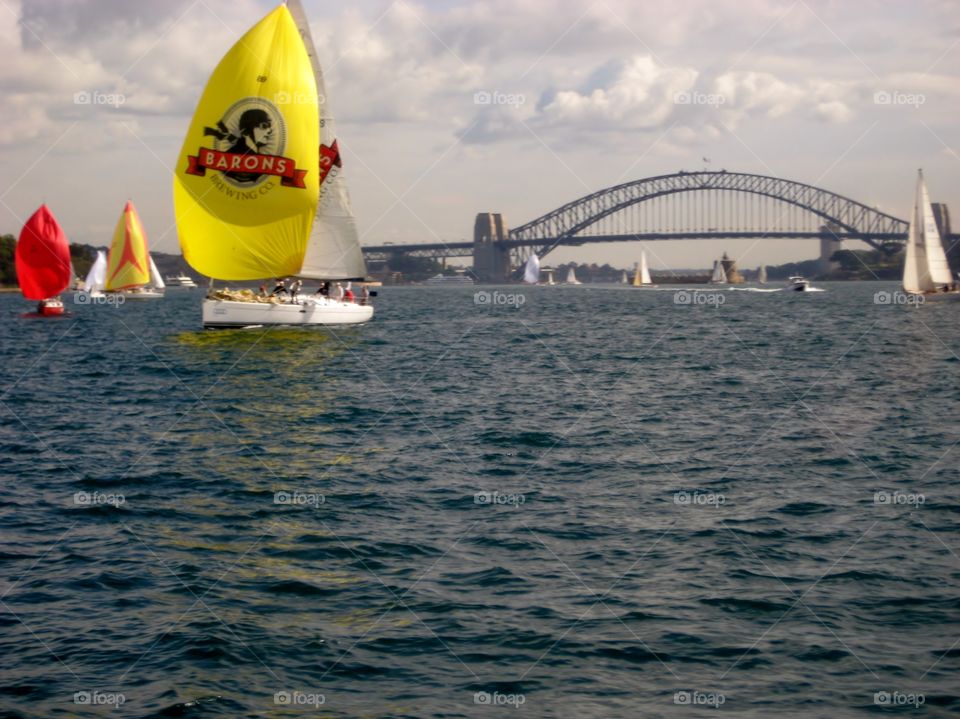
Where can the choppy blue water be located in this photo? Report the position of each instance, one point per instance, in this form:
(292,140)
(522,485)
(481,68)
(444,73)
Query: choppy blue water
(599,503)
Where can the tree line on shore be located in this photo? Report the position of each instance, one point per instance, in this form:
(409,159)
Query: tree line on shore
(846,265)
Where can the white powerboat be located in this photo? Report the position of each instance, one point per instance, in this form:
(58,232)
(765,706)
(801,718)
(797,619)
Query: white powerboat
(181,281)
(798,284)
(458,279)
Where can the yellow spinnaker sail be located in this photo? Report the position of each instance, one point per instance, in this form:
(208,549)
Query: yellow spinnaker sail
(247,180)
(128,264)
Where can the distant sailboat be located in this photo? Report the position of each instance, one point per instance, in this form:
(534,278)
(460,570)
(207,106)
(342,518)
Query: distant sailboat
(623,278)
(42,260)
(641,274)
(572,277)
(130,269)
(762,275)
(97,276)
(719,276)
(531,273)
(925,269)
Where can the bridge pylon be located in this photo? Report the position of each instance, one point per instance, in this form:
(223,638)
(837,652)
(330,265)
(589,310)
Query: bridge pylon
(491,258)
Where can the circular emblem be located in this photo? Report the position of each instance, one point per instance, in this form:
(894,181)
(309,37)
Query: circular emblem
(250,128)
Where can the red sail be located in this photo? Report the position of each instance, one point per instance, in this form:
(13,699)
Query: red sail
(43,257)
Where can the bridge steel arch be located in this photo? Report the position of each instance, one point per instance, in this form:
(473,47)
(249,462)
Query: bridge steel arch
(858,221)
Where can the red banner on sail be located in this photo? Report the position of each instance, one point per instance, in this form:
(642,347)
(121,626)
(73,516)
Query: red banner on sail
(246,164)
(329,158)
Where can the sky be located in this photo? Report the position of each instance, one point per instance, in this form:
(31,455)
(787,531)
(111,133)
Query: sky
(446,109)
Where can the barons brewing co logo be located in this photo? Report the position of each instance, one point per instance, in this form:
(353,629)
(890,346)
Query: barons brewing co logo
(248,144)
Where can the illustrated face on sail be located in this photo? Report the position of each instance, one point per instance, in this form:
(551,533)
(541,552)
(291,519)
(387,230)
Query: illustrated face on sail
(248,178)
(248,144)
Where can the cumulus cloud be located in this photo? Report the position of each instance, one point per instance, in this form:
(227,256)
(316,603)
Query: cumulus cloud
(642,95)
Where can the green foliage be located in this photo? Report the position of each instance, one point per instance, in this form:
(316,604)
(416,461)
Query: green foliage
(867,265)
(81,256)
(414,269)
(8,275)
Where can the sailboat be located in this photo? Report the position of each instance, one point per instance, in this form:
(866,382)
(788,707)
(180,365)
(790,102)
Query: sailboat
(96,280)
(925,269)
(531,272)
(42,260)
(572,277)
(130,268)
(762,274)
(641,273)
(719,275)
(259,190)
(623,278)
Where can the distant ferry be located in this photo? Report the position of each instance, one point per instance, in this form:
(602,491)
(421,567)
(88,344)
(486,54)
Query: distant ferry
(181,281)
(457,279)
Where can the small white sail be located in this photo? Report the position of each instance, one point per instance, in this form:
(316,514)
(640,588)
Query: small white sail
(719,276)
(531,273)
(623,278)
(333,251)
(644,270)
(156,281)
(97,276)
(572,277)
(762,274)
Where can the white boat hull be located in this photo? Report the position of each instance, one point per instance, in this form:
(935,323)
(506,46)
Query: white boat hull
(140,295)
(230,313)
(951,296)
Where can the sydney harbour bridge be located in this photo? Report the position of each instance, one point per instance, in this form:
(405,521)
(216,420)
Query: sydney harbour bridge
(681,206)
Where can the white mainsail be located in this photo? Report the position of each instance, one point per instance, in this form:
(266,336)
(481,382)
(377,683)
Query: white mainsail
(97,276)
(644,270)
(762,274)
(156,281)
(623,278)
(333,251)
(925,268)
(531,273)
(572,277)
(719,275)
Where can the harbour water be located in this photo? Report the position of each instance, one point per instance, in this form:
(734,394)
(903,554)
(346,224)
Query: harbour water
(552,501)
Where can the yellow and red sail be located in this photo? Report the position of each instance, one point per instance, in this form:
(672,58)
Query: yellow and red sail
(247,180)
(128,264)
